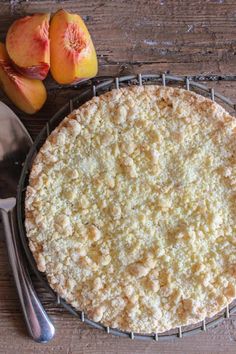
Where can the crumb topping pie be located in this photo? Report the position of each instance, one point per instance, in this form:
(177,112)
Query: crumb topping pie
(130,208)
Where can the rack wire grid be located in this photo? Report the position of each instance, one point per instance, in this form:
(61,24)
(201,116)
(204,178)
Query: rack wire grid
(96,88)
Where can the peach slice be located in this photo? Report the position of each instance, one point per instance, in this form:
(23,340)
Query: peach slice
(27,44)
(27,94)
(73,56)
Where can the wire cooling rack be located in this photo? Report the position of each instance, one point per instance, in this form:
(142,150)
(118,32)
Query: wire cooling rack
(95,89)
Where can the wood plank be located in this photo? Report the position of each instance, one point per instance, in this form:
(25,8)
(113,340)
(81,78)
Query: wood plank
(75,341)
(198,35)
(195,38)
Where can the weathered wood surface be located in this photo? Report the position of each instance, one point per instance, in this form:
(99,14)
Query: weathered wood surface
(195,38)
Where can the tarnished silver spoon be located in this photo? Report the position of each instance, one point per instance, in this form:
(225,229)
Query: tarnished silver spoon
(14,146)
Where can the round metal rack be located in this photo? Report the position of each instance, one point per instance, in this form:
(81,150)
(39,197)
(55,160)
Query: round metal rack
(93,89)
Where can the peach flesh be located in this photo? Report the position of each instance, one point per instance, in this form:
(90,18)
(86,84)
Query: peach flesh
(73,57)
(28,95)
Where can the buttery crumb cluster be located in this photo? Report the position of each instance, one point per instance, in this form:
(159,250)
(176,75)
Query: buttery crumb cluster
(130,208)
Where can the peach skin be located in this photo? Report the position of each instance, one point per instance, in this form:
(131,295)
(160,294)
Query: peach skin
(27,94)
(27,44)
(73,57)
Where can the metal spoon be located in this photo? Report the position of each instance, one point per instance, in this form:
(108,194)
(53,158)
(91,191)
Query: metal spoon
(14,145)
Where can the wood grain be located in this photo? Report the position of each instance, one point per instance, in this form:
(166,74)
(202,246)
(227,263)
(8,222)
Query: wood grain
(195,38)
(180,36)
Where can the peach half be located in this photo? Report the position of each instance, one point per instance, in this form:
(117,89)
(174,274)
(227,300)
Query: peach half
(27,94)
(73,56)
(27,44)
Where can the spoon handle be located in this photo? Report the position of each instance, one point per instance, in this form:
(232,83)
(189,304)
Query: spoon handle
(38,323)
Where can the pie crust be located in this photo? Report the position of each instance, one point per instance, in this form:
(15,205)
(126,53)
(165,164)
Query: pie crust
(130,208)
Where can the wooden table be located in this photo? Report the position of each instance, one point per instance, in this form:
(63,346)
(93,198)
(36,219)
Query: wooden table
(195,38)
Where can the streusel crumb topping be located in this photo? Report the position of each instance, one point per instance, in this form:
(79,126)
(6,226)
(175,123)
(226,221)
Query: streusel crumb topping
(130,208)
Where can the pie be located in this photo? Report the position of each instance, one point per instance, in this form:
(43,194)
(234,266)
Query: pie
(130,208)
